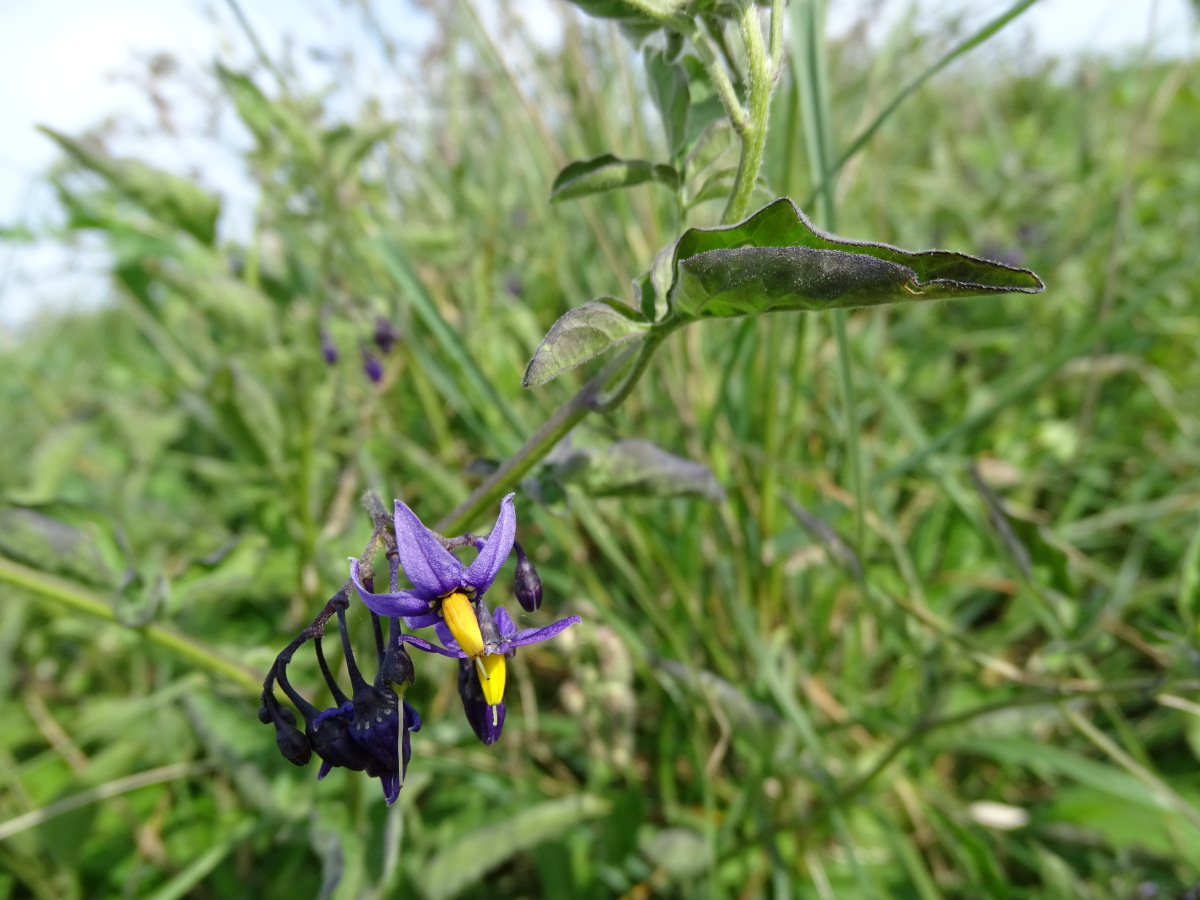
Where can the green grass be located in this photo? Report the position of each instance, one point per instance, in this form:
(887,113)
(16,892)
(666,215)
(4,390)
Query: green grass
(741,713)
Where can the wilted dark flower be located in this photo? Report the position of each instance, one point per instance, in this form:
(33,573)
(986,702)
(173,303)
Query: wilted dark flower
(367,731)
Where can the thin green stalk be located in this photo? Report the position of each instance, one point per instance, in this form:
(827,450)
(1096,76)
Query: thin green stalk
(540,443)
(754,134)
(81,600)
(716,71)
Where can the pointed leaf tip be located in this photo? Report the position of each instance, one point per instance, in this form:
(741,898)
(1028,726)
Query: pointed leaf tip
(607,173)
(579,335)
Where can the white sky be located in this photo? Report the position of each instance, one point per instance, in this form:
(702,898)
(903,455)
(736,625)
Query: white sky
(58,59)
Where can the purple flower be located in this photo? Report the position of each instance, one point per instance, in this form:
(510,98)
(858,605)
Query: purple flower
(449,596)
(485,720)
(436,573)
(488,644)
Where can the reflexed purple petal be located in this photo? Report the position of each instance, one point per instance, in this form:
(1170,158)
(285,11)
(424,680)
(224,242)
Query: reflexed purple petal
(504,622)
(444,635)
(534,635)
(402,603)
(422,621)
(431,568)
(326,768)
(487,564)
(430,648)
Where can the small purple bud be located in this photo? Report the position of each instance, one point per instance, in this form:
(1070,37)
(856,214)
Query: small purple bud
(372,367)
(329,349)
(526,583)
(386,334)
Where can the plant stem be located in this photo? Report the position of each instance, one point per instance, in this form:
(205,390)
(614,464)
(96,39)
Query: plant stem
(540,443)
(81,600)
(752,128)
(754,134)
(716,71)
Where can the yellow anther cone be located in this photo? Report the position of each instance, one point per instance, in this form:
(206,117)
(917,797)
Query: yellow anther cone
(492,675)
(459,615)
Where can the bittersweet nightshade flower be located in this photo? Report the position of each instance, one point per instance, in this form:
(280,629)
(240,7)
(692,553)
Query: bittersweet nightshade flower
(449,596)
(441,585)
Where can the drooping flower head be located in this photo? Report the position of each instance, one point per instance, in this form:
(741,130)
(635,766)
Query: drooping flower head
(366,731)
(449,596)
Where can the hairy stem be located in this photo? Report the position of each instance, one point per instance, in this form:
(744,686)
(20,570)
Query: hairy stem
(754,133)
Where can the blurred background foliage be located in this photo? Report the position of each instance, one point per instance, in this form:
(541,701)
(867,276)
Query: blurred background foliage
(988,692)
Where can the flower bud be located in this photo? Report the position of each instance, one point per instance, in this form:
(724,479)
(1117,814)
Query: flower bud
(527,585)
(386,334)
(372,367)
(329,349)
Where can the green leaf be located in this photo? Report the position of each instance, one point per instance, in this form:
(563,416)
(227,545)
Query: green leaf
(777,260)
(717,186)
(668,83)
(651,289)
(230,301)
(629,9)
(168,198)
(608,173)
(466,860)
(633,467)
(579,335)
(253,107)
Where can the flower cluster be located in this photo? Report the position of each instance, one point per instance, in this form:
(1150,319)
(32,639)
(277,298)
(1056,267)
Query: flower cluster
(384,337)
(369,729)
